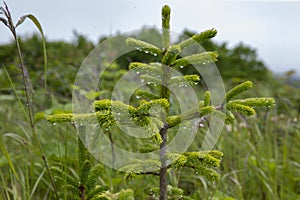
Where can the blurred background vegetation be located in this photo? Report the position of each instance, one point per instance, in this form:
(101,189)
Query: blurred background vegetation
(261,153)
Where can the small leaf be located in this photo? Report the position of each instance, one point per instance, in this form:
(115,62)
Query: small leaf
(34,20)
(21,20)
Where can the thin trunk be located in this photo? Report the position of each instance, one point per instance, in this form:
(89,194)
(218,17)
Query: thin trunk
(112,149)
(163,169)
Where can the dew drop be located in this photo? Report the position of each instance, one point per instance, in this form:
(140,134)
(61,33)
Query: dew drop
(138,97)
(181,67)
(146,51)
(155,54)
(148,83)
(137,72)
(54,124)
(201,125)
(142,80)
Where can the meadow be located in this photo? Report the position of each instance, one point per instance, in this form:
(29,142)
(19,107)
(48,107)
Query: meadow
(44,159)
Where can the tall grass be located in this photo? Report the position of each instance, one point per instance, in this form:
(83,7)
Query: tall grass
(261,161)
(8,22)
(261,155)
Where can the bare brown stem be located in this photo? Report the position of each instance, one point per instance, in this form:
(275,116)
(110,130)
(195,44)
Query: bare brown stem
(163,182)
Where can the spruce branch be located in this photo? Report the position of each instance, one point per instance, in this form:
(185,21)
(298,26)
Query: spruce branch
(201,58)
(153,69)
(60,175)
(205,35)
(143,46)
(252,102)
(171,54)
(97,193)
(235,107)
(238,90)
(84,172)
(146,95)
(141,167)
(202,162)
(192,114)
(145,106)
(150,80)
(93,175)
(184,80)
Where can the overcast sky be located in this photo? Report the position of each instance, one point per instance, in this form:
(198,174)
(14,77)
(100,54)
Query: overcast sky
(271,27)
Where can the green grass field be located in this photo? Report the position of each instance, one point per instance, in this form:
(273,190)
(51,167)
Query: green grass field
(261,152)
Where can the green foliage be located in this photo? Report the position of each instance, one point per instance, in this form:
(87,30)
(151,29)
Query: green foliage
(203,36)
(260,152)
(84,184)
(245,106)
(174,193)
(202,58)
(238,89)
(202,162)
(143,46)
(151,68)
(236,64)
